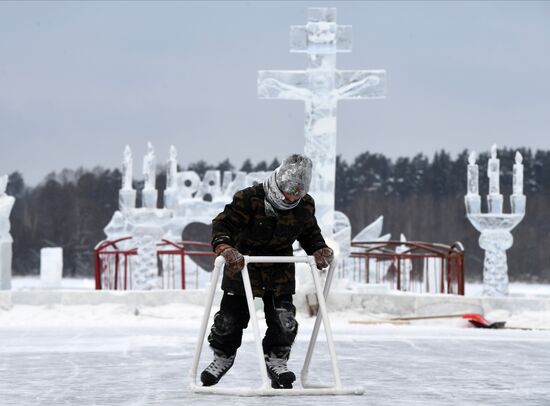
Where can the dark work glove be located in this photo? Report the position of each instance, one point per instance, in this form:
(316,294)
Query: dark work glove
(323,257)
(234,261)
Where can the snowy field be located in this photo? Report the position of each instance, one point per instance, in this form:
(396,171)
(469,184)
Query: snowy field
(115,355)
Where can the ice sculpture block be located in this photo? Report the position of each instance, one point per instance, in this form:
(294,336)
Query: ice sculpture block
(149,192)
(148,229)
(320,86)
(170,194)
(495,226)
(6,205)
(51,267)
(127,194)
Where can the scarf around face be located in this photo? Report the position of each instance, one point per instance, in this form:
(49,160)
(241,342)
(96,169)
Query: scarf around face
(274,198)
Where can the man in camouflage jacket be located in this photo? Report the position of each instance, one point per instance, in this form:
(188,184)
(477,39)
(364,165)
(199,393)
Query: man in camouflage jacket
(264,220)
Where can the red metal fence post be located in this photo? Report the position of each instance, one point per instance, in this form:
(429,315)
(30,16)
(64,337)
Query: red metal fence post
(116,271)
(125,272)
(97,265)
(183,267)
(398,273)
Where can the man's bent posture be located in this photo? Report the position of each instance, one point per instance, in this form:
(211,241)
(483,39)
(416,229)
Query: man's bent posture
(264,220)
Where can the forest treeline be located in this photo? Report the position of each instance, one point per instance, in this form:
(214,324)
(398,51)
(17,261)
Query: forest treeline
(421,197)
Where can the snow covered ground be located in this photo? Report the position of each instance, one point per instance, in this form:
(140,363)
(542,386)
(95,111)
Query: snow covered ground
(33,282)
(117,355)
(517,289)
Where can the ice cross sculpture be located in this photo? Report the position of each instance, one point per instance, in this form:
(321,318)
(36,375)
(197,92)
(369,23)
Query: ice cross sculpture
(320,86)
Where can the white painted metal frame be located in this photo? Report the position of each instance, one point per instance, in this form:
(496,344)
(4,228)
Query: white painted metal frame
(265,389)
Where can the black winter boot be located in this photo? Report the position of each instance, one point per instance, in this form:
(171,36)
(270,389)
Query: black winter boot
(217,368)
(281,377)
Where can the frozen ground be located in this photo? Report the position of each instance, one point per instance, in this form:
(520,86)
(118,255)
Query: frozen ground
(115,355)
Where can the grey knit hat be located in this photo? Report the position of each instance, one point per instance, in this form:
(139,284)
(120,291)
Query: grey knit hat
(294,175)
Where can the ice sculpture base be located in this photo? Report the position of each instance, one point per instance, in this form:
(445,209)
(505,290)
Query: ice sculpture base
(51,267)
(5,265)
(148,229)
(149,198)
(495,239)
(126,199)
(170,199)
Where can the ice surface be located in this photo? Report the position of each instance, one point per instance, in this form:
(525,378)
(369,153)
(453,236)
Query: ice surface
(51,267)
(113,355)
(320,86)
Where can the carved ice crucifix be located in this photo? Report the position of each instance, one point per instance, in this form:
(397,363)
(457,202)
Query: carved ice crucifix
(320,86)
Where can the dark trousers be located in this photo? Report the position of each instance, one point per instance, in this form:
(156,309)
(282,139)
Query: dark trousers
(227,331)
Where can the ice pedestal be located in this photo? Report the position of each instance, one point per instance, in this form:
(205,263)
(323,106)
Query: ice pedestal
(518,203)
(149,198)
(126,199)
(495,266)
(6,204)
(5,265)
(51,267)
(145,276)
(148,230)
(495,239)
(171,199)
(473,204)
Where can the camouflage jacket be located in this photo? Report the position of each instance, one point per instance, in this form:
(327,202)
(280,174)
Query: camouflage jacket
(244,225)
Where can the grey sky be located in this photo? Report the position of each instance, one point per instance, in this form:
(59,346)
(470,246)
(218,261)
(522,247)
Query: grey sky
(80,80)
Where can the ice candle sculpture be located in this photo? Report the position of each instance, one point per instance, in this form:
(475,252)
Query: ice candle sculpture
(149,193)
(170,194)
(127,194)
(495,226)
(320,86)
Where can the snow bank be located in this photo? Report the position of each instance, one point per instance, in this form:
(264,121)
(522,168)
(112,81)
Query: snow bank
(368,306)
(528,306)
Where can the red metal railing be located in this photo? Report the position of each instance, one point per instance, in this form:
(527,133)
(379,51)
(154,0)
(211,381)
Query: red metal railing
(172,249)
(107,259)
(410,266)
(113,265)
(188,252)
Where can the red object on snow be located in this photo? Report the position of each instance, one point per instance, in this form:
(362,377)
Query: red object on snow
(477,320)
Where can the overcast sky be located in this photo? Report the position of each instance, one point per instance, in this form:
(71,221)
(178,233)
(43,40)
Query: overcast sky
(79,81)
